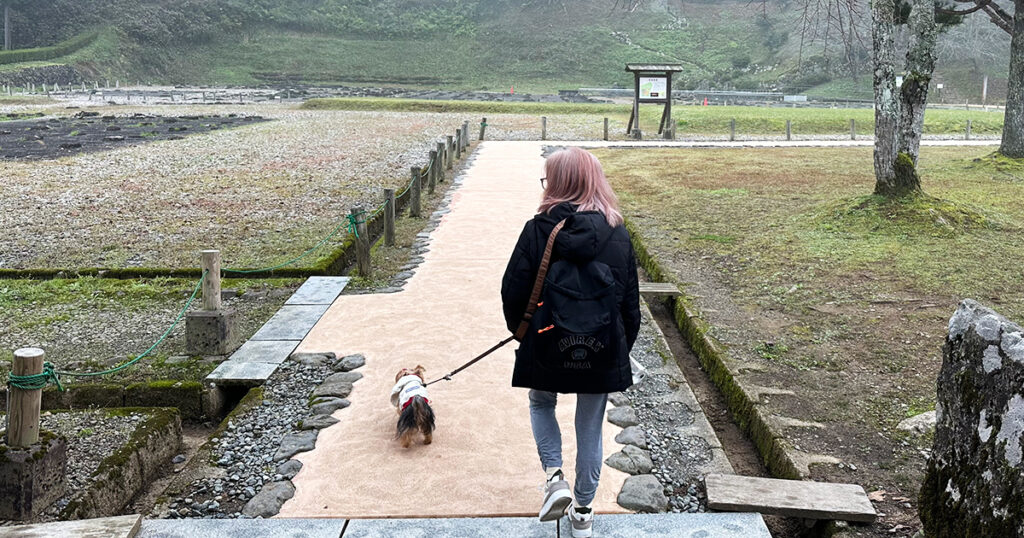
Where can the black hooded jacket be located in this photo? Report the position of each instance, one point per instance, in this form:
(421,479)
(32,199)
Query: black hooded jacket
(586,236)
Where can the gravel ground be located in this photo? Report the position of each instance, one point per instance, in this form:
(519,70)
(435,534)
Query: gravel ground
(244,453)
(91,437)
(678,460)
(260,193)
(97,324)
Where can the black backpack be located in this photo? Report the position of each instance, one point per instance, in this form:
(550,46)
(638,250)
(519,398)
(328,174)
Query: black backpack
(574,324)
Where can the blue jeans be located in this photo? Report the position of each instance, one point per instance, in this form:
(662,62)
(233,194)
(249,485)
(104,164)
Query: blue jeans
(589,419)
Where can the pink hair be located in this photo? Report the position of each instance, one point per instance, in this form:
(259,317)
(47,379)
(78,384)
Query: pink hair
(575,175)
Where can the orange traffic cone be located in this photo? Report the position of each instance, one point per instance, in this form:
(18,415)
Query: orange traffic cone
(705,101)
(512,90)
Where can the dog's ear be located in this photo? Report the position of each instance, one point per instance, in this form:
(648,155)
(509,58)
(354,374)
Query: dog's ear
(420,370)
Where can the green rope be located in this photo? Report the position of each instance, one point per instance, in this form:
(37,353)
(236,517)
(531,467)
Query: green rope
(483,124)
(38,381)
(35,381)
(354,222)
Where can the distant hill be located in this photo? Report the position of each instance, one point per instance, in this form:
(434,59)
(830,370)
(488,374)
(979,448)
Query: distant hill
(535,45)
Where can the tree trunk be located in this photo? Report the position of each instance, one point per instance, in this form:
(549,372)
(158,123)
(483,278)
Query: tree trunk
(887,105)
(1013,125)
(914,92)
(7,27)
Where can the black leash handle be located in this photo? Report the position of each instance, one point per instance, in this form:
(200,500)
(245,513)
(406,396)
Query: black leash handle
(477,359)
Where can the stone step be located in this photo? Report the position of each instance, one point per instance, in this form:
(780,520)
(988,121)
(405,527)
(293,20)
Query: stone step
(265,351)
(104,527)
(291,322)
(319,290)
(790,498)
(659,288)
(608,526)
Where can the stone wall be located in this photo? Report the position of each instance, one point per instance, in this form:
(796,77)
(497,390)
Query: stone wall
(974,484)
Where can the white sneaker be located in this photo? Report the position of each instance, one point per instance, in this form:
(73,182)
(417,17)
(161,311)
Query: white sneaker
(582,520)
(556,497)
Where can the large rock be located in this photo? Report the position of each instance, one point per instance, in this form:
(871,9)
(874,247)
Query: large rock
(631,460)
(326,406)
(269,500)
(334,387)
(293,443)
(623,417)
(919,424)
(643,493)
(350,362)
(632,435)
(974,484)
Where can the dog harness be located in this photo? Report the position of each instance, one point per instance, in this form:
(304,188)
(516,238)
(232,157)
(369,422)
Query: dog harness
(405,389)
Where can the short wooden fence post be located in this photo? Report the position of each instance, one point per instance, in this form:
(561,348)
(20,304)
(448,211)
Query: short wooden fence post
(967,134)
(789,130)
(483,126)
(24,405)
(732,130)
(458,144)
(606,129)
(211,284)
(362,241)
(449,152)
(465,134)
(440,162)
(853,129)
(431,181)
(543,127)
(389,217)
(414,195)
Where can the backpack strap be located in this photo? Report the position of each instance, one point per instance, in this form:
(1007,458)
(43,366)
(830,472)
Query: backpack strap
(538,284)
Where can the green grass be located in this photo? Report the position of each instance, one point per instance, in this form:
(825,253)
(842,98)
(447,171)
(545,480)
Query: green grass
(695,120)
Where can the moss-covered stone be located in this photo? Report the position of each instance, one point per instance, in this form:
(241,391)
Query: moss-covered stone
(186,396)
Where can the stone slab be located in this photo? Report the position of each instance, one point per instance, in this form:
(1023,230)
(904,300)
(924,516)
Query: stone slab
(790,498)
(606,526)
(242,528)
(241,373)
(104,527)
(319,290)
(291,323)
(659,288)
(265,351)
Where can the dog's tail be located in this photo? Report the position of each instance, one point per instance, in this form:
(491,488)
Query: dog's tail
(416,416)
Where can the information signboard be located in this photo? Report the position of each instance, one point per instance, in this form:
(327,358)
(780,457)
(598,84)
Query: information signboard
(653,88)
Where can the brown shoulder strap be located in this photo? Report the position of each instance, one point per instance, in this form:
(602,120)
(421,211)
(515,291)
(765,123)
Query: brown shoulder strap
(538,284)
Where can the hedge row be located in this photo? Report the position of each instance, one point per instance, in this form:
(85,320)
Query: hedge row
(48,53)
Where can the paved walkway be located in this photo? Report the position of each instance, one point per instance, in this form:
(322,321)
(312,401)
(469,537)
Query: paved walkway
(483,461)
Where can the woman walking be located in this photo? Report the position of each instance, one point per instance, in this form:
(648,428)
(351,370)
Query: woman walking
(577,336)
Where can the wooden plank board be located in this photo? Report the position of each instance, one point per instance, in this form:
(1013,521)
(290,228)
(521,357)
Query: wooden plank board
(658,288)
(790,498)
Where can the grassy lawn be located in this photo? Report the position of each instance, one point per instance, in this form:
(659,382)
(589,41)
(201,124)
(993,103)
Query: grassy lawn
(692,120)
(839,296)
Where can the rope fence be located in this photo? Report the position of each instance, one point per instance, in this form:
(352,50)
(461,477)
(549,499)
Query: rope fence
(30,373)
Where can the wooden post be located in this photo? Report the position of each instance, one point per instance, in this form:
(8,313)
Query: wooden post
(732,130)
(389,217)
(458,144)
(789,130)
(362,241)
(440,163)
(23,407)
(432,170)
(483,126)
(432,181)
(211,285)
(465,134)
(967,134)
(414,194)
(853,129)
(606,128)
(543,127)
(449,152)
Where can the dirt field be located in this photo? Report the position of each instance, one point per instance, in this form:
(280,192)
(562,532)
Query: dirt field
(837,296)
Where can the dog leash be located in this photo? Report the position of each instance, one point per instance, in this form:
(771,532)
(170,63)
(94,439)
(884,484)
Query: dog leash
(496,347)
(531,306)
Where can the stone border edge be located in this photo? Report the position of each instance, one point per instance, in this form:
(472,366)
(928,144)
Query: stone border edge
(777,454)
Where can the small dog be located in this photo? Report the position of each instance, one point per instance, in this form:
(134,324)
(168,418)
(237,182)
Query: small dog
(409,396)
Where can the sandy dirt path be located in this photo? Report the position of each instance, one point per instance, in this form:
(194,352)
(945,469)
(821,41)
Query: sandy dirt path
(483,461)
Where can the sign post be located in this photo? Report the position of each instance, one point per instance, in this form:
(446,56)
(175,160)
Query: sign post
(652,84)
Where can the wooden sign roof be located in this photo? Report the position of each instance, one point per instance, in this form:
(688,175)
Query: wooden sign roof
(671,68)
